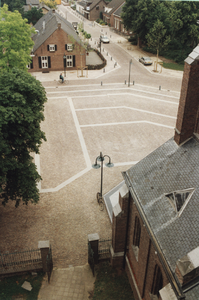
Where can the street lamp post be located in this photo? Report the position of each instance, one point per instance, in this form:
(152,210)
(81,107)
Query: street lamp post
(130,63)
(64,57)
(101,158)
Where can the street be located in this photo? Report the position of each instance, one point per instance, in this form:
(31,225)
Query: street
(83,118)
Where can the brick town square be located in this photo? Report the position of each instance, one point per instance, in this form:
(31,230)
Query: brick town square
(82,119)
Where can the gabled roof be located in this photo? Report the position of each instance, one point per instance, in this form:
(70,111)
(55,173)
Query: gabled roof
(119,11)
(51,24)
(113,5)
(169,168)
(95,3)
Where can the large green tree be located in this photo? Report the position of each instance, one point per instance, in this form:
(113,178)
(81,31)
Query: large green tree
(14,5)
(15,40)
(33,15)
(157,38)
(178,17)
(22,101)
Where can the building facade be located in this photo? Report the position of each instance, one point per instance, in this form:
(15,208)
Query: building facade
(91,10)
(155,227)
(57,46)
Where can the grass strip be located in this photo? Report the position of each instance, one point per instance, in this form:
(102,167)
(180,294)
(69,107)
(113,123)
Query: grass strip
(111,284)
(10,287)
(173,66)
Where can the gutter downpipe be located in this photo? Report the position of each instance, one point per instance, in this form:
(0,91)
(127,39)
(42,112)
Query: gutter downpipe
(167,269)
(127,227)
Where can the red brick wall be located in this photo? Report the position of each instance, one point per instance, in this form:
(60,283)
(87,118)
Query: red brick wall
(139,267)
(186,123)
(59,38)
(95,13)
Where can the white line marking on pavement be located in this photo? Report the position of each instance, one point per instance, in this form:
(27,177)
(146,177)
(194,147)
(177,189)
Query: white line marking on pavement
(118,94)
(119,83)
(125,163)
(126,107)
(126,123)
(80,135)
(125,88)
(63,184)
(76,176)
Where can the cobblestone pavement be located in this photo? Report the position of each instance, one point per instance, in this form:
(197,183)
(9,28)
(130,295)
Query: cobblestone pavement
(83,118)
(73,283)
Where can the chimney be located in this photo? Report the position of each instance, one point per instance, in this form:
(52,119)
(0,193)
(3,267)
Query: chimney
(187,122)
(44,24)
(59,25)
(53,10)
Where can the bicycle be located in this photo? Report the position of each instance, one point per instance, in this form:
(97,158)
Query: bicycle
(64,83)
(100,201)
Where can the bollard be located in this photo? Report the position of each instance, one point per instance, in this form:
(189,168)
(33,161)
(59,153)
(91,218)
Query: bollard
(115,63)
(107,53)
(103,49)
(106,33)
(101,82)
(133,82)
(125,82)
(104,70)
(159,87)
(91,39)
(111,58)
(110,36)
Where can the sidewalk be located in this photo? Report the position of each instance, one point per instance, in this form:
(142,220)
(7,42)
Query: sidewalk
(73,283)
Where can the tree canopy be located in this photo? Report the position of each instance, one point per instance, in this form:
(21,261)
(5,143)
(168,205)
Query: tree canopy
(50,3)
(15,40)
(33,15)
(22,101)
(14,5)
(179,19)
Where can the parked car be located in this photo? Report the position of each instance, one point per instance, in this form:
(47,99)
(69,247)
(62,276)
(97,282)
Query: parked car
(147,61)
(104,39)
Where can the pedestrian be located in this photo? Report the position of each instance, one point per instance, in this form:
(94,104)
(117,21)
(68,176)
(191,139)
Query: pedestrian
(61,77)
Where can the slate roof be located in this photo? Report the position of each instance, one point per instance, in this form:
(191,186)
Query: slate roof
(119,11)
(114,4)
(94,3)
(170,168)
(51,24)
(32,2)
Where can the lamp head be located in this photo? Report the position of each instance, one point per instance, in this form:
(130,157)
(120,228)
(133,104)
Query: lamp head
(96,166)
(109,165)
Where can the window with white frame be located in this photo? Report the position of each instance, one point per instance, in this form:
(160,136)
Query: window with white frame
(69,61)
(44,62)
(51,48)
(69,47)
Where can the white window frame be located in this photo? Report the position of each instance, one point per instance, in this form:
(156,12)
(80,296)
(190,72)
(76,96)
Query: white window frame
(51,47)
(69,61)
(44,62)
(69,47)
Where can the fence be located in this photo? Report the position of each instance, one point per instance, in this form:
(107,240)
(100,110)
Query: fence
(29,260)
(104,249)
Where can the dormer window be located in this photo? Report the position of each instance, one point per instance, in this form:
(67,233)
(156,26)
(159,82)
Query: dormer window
(179,199)
(69,47)
(52,48)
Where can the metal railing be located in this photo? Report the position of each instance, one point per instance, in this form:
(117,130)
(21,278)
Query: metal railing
(104,249)
(17,261)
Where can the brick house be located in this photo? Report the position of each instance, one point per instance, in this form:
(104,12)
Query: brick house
(155,226)
(110,9)
(91,9)
(56,45)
